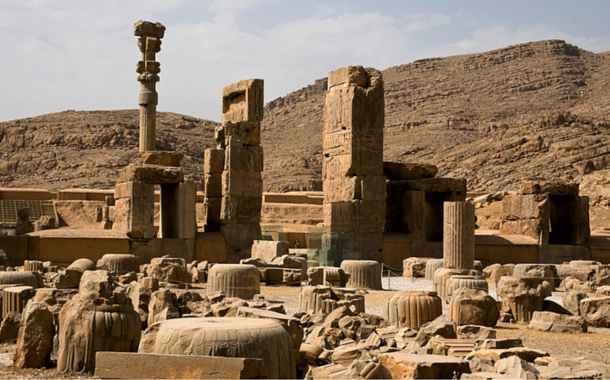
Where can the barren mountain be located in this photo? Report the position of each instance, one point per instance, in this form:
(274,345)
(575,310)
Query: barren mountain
(540,108)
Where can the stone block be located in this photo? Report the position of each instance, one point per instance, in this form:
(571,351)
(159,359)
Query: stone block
(35,339)
(123,365)
(131,189)
(243,158)
(596,311)
(214,161)
(429,185)
(212,207)
(268,250)
(248,132)
(540,186)
(243,101)
(401,365)
(160,158)
(348,75)
(213,185)
(548,321)
(240,183)
(151,174)
(404,171)
(241,210)
(517,206)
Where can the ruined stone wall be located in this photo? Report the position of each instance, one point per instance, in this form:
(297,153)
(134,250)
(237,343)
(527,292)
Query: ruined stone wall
(354,185)
(238,187)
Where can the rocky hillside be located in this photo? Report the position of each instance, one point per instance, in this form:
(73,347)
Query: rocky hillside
(540,108)
(85,149)
(493,118)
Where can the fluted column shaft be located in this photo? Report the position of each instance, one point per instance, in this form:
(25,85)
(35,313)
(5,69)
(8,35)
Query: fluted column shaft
(458,237)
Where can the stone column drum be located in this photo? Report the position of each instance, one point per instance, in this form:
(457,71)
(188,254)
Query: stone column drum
(456,282)
(119,263)
(458,235)
(33,266)
(364,274)
(15,299)
(432,266)
(235,280)
(412,309)
(227,337)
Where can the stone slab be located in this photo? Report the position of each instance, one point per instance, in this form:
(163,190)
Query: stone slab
(401,365)
(152,174)
(123,365)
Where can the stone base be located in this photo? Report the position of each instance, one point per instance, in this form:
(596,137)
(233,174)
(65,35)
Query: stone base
(123,365)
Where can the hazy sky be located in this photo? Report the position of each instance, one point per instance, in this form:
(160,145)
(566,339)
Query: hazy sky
(57,55)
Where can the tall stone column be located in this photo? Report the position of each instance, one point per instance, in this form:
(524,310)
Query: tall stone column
(353,180)
(241,179)
(150,43)
(458,235)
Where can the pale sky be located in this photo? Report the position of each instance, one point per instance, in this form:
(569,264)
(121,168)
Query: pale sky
(57,55)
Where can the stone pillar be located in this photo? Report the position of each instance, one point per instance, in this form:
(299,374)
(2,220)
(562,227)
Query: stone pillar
(150,43)
(133,210)
(241,180)
(353,180)
(213,166)
(458,237)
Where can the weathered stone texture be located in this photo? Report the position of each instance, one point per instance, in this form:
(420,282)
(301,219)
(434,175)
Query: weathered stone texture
(353,181)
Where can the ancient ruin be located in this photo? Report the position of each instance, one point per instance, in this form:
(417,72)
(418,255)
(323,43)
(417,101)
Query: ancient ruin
(386,273)
(354,185)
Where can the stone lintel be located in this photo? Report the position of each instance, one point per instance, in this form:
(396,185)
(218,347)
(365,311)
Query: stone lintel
(540,186)
(397,171)
(160,158)
(429,185)
(152,174)
(124,365)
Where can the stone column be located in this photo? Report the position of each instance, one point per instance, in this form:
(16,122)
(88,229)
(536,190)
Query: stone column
(150,43)
(241,180)
(458,235)
(353,180)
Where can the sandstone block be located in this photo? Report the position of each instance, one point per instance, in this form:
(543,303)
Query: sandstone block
(151,174)
(160,158)
(214,161)
(548,321)
(400,365)
(405,171)
(243,101)
(268,250)
(596,311)
(35,339)
(473,307)
(115,365)
(571,301)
